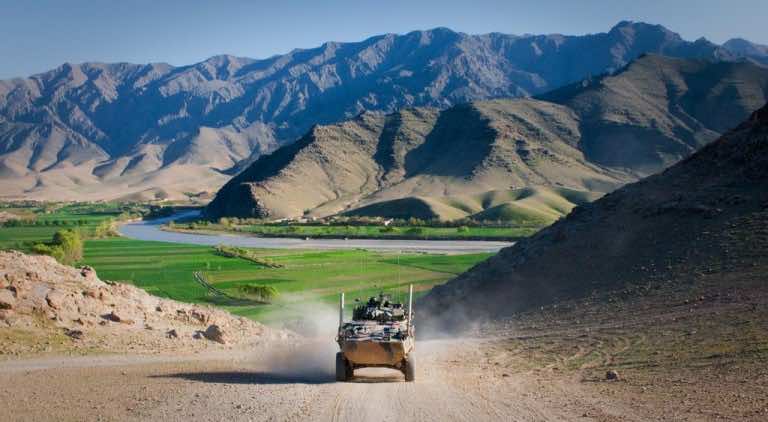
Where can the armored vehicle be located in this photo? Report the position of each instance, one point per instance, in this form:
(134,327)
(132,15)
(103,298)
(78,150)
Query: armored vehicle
(380,334)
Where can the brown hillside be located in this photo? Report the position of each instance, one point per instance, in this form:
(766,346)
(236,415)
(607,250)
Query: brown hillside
(707,215)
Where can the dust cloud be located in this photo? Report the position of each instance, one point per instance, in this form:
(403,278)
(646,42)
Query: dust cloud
(312,357)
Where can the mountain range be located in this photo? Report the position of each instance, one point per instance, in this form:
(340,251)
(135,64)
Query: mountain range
(127,131)
(524,159)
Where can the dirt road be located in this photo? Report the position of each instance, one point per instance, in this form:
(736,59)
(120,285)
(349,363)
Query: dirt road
(687,356)
(291,384)
(457,381)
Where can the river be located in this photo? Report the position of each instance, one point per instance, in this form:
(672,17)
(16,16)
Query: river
(152,230)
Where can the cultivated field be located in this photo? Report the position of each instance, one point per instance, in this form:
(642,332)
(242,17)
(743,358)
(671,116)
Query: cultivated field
(38,223)
(302,278)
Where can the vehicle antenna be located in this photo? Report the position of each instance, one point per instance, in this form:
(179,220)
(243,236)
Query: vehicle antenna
(397,289)
(398,267)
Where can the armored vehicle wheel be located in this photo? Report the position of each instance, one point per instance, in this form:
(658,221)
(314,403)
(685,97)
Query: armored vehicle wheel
(409,369)
(343,369)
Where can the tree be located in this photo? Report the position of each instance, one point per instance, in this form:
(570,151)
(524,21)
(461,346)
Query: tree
(66,247)
(259,292)
(51,250)
(71,245)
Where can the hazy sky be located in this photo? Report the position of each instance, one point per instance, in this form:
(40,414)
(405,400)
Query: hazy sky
(37,35)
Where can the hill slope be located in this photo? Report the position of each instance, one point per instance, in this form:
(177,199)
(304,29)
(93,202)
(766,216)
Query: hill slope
(45,305)
(538,205)
(100,130)
(706,215)
(590,137)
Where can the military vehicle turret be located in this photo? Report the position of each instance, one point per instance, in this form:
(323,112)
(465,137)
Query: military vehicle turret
(380,334)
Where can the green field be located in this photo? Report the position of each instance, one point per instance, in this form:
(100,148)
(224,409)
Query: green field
(38,223)
(302,278)
(372,231)
(22,237)
(306,277)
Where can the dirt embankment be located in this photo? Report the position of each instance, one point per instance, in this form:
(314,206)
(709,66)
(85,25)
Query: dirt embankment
(48,307)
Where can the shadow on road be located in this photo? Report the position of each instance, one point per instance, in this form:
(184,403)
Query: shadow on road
(375,380)
(236,377)
(251,378)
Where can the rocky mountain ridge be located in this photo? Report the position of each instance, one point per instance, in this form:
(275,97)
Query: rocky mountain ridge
(589,137)
(105,131)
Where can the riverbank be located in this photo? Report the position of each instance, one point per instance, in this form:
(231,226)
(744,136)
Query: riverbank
(152,230)
(317,231)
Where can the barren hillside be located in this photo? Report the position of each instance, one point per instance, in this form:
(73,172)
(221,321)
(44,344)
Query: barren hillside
(704,218)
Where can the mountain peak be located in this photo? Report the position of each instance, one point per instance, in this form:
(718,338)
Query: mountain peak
(744,47)
(643,27)
(433,34)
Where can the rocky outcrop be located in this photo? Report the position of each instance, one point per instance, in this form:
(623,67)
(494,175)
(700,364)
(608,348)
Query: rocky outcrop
(42,298)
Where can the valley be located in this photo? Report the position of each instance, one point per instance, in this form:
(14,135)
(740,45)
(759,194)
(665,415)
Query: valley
(304,273)
(303,278)
(417,226)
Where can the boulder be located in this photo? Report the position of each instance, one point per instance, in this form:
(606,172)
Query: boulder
(172,334)
(5,314)
(112,316)
(75,334)
(199,315)
(214,333)
(56,299)
(612,375)
(87,271)
(7,299)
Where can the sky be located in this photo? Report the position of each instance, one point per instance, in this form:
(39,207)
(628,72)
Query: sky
(38,35)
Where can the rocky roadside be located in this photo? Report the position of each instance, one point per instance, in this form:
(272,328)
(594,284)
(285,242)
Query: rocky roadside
(46,307)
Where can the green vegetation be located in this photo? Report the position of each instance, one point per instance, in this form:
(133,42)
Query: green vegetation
(66,246)
(259,292)
(246,254)
(288,279)
(464,232)
(37,222)
(305,277)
